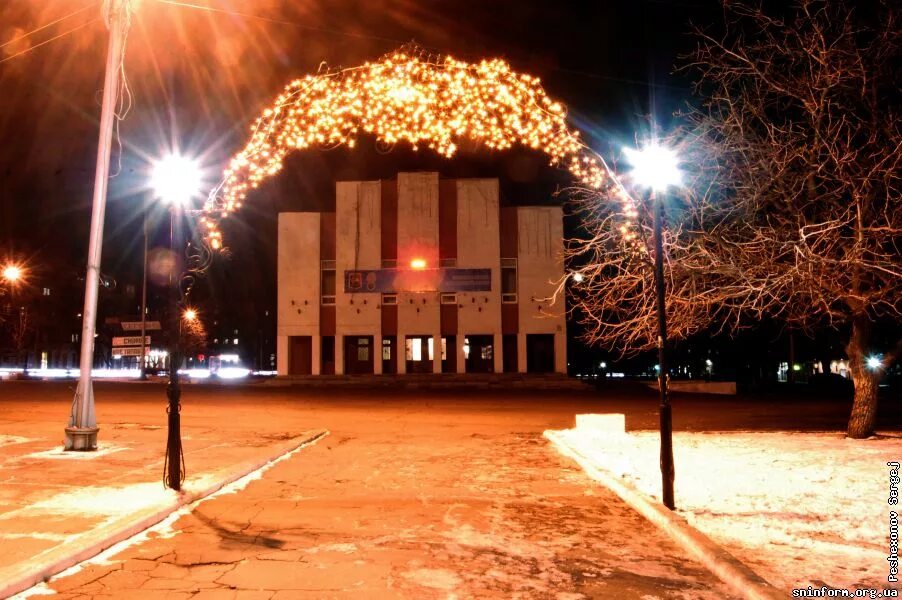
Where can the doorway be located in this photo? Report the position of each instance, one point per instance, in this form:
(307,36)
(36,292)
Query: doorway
(300,355)
(358,354)
(540,353)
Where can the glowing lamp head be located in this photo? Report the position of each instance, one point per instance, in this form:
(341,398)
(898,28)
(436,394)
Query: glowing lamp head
(176,179)
(418,264)
(874,363)
(654,166)
(190,315)
(578,277)
(12,273)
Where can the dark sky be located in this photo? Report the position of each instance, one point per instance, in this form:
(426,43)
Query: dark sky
(201,76)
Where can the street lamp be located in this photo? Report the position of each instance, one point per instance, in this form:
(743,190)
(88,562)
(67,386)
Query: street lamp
(655,167)
(12,274)
(175,180)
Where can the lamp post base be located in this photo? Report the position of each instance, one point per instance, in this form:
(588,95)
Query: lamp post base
(81,438)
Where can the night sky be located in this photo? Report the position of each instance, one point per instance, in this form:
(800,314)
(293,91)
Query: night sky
(198,78)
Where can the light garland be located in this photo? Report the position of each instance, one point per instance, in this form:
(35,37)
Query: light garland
(426,101)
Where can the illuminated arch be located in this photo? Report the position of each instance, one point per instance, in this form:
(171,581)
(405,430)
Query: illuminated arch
(410,96)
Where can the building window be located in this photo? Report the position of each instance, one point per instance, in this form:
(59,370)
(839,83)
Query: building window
(363,349)
(447,263)
(46,291)
(389,299)
(509,280)
(390,263)
(386,349)
(327,282)
(449,298)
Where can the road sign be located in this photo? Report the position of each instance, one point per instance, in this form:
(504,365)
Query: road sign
(134,340)
(136,326)
(135,351)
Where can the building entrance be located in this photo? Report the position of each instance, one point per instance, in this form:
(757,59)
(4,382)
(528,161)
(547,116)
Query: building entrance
(300,355)
(479,353)
(418,353)
(358,354)
(540,353)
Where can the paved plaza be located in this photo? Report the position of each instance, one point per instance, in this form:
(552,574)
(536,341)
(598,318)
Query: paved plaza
(407,494)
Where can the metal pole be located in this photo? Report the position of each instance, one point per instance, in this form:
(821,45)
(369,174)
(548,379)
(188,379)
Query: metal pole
(81,434)
(667,469)
(143,359)
(173,474)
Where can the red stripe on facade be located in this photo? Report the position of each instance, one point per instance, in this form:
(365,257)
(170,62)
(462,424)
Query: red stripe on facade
(389,219)
(447,218)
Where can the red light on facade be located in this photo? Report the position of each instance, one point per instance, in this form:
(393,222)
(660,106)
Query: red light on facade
(418,263)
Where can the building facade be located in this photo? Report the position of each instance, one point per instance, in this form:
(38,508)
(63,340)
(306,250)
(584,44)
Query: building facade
(420,275)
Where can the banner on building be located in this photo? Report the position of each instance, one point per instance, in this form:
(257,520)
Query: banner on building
(389,281)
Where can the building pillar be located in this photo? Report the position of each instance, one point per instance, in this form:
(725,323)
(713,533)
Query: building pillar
(560,353)
(459,348)
(436,352)
(282,355)
(377,354)
(497,353)
(339,354)
(521,353)
(401,352)
(316,362)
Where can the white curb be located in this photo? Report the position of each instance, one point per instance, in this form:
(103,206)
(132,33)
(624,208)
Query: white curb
(739,577)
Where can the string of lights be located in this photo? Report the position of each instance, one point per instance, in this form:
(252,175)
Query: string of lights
(423,99)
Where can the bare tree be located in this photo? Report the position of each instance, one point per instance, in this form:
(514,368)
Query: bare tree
(791,208)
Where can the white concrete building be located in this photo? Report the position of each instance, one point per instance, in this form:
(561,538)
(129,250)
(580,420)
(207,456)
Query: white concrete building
(420,275)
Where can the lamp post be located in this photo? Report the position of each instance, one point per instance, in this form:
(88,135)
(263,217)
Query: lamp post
(175,180)
(13,275)
(655,167)
(81,432)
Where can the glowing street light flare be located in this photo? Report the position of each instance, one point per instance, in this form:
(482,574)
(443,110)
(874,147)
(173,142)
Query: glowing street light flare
(13,273)
(654,166)
(190,315)
(578,277)
(418,263)
(874,363)
(176,179)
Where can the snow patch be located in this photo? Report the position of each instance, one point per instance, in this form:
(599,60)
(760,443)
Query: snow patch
(798,508)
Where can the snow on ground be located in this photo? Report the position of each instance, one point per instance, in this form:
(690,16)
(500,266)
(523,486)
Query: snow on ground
(800,509)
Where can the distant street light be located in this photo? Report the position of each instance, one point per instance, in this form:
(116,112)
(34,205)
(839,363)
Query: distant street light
(190,315)
(12,274)
(176,180)
(655,167)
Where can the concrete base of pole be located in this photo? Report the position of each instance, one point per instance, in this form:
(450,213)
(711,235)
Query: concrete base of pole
(81,439)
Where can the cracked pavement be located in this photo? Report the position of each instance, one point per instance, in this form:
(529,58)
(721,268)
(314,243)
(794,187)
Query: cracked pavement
(416,495)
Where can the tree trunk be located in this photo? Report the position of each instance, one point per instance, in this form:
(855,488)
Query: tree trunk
(864,407)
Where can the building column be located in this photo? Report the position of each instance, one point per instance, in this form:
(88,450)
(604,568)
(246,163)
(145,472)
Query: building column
(436,352)
(560,353)
(459,348)
(282,355)
(521,353)
(497,353)
(377,354)
(401,353)
(316,362)
(339,354)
